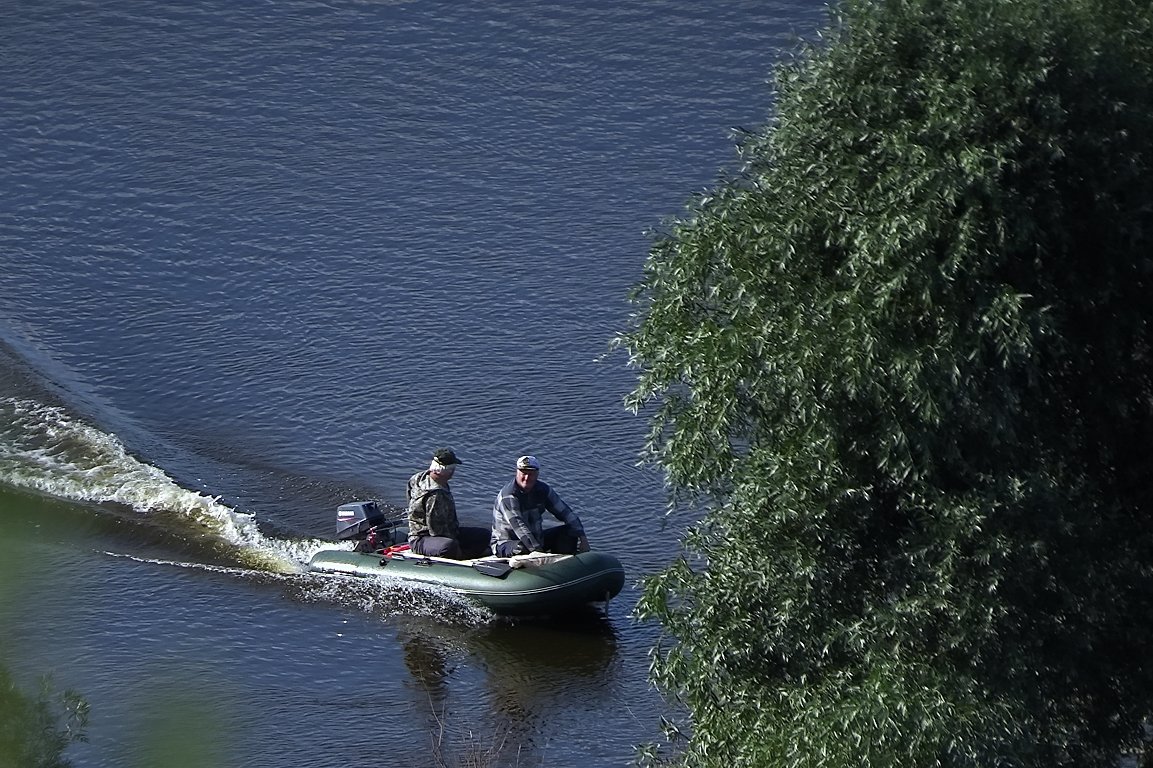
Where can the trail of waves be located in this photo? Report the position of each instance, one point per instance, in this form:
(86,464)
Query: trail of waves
(44,449)
(384,594)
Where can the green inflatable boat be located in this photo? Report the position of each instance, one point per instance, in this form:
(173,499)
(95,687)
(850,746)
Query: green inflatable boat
(532,584)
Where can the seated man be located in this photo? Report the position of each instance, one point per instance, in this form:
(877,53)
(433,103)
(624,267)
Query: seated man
(518,517)
(433,528)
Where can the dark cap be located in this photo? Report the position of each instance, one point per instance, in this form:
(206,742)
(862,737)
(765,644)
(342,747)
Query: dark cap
(446,457)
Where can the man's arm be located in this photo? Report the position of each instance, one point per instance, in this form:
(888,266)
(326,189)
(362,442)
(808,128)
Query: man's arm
(509,526)
(563,512)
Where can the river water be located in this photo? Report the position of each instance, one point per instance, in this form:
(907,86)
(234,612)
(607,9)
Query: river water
(261,258)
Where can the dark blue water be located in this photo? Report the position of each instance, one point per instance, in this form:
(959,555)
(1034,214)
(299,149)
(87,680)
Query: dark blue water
(257,259)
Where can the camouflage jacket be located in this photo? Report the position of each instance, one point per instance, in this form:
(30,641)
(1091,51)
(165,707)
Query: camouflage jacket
(431,508)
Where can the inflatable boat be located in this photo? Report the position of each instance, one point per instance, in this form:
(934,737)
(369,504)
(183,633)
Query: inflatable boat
(533,584)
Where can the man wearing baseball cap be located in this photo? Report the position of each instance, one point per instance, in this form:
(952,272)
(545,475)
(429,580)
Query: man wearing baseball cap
(518,517)
(433,528)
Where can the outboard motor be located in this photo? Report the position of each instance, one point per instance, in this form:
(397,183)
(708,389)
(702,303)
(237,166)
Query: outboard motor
(356,519)
(365,523)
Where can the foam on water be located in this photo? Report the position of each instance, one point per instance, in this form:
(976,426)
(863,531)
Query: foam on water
(44,449)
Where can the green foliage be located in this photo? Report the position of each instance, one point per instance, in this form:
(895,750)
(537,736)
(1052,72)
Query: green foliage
(35,731)
(903,361)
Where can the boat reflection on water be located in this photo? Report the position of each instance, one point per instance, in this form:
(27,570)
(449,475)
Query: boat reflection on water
(488,690)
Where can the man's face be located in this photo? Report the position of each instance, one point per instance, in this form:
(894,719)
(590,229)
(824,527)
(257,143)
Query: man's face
(526,478)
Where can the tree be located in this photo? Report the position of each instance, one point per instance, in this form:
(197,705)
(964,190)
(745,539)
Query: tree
(901,359)
(34,732)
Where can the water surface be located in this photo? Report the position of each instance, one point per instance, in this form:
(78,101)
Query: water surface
(258,259)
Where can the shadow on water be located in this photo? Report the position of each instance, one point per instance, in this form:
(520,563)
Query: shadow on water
(46,728)
(482,686)
(35,729)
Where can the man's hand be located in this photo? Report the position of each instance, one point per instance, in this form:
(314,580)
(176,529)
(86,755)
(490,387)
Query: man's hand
(582,543)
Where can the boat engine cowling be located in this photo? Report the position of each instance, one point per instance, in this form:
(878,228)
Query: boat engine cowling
(366,523)
(355,519)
